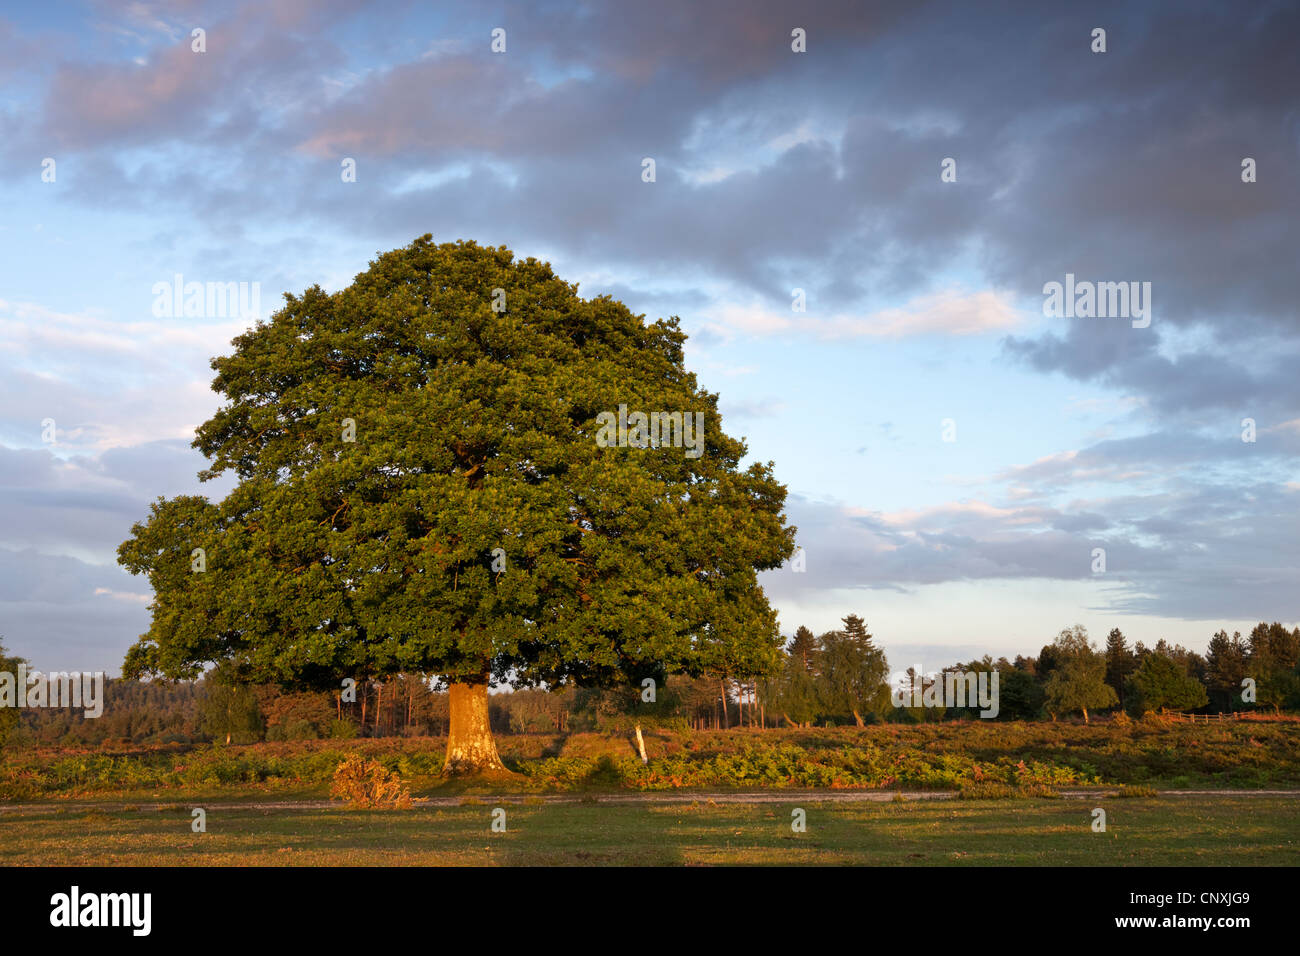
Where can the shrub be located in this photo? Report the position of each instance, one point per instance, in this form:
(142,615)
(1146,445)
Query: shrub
(302,730)
(1001,791)
(343,730)
(366,784)
(1137,790)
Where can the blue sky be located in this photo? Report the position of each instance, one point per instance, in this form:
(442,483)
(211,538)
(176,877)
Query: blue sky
(775,170)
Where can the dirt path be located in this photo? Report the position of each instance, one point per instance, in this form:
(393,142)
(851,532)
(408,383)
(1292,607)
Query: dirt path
(671,796)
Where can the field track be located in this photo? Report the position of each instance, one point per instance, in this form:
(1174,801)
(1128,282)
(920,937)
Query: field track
(673,796)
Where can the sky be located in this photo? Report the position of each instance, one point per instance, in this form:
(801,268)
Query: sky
(955,454)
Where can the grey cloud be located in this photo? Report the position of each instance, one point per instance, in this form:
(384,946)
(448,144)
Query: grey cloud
(54,617)
(84,506)
(1195,553)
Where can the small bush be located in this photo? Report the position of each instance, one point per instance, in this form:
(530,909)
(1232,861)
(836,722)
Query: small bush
(302,730)
(343,730)
(1138,791)
(366,784)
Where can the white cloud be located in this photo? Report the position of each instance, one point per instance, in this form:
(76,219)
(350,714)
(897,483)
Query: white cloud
(124,595)
(106,383)
(944,313)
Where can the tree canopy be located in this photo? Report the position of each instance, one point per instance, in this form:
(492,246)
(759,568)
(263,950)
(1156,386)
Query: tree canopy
(421,489)
(1161,683)
(1078,677)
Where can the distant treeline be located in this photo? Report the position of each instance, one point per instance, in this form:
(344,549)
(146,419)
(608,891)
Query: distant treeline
(838,677)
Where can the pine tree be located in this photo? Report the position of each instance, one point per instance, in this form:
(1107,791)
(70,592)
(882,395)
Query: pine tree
(1120,662)
(803,648)
(1273,658)
(855,629)
(1225,669)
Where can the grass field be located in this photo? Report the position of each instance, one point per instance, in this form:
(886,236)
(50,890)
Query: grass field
(705,798)
(1163,831)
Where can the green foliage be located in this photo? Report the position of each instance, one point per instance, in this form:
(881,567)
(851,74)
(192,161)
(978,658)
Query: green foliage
(1020,696)
(840,675)
(792,693)
(1274,656)
(343,730)
(8,715)
(1160,683)
(230,710)
(1078,678)
(475,429)
(1120,662)
(852,673)
(1225,669)
(297,730)
(803,648)
(145,713)
(620,709)
(780,765)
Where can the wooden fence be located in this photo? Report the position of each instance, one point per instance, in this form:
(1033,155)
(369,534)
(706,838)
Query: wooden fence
(1204,718)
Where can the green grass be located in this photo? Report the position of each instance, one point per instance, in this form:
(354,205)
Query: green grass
(1168,831)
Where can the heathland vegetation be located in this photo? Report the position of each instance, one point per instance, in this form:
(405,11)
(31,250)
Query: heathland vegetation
(972,758)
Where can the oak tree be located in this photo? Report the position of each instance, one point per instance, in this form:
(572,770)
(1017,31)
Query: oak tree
(421,489)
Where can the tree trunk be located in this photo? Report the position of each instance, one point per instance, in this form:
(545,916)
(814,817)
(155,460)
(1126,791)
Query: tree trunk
(471,748)
(858,717)
(1085,715)
(379,711)
(726,719)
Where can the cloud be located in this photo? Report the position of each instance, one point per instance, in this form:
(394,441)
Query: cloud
(83,506)
(943,313)
(1199,553)
(776,170)
(62,365)
(65,614)
(124,595)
